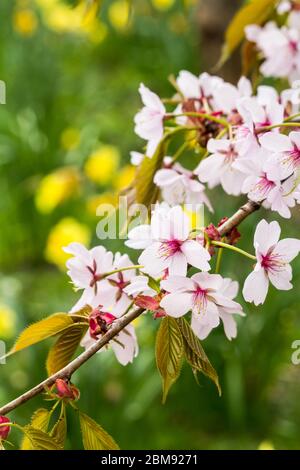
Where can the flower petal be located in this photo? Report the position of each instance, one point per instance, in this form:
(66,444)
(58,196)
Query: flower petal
(176,305)
(256,287)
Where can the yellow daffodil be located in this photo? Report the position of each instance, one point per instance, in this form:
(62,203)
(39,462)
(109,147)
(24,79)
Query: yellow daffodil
(7,321)
(70,138)
(118,14)
(68,230)
(124,177)
(163,4)
(55,188)
(103,164)
(25,21)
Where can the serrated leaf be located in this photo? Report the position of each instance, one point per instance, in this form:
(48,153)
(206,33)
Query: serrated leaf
(59,430)
(254,12)
(169,353)
(83,312)
(94,437)
(40,420)
(195,354)
(63,350)
(41,330)
(146,190)
(40,440)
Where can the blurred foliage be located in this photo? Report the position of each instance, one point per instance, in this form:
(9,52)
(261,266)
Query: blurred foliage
(71,97)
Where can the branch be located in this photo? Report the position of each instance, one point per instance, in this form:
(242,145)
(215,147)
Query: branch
(241,214)
(121,323)
(67,371)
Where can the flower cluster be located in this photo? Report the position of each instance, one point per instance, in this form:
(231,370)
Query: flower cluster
(246,141)
(279,46)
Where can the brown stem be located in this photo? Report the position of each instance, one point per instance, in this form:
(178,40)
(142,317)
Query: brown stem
(238,217)
(67,371)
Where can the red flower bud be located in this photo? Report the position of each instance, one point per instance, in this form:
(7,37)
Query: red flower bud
(4,430)
(152,304)
(66,389)
(99,321)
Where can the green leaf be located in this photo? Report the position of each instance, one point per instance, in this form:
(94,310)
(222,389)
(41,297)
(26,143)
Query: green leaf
(169,353)
(83,312)
(195,354)
(41,330)
(146,190)
(59,430)
(40,440)
(40,420)
(63,350)
(94,437)
(254,12)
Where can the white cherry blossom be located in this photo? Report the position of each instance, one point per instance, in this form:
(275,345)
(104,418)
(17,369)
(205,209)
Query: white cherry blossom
(273,262)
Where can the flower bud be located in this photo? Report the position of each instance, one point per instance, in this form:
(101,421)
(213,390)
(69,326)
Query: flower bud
(4,430)
(66,389)
(99,321)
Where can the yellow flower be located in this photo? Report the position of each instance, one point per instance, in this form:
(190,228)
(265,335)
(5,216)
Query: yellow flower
(266,445)
(94,202)
(124,177)
(68,230)
(118,14)
(163,4)
(25,21)
(102,165)
(7,321)
(55,188)
(70,138)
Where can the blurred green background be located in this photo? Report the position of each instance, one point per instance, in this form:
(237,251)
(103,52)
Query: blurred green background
(65,136)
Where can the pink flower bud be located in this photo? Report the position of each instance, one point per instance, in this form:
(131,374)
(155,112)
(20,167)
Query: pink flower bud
(4,430)
(66,389)
(99,321)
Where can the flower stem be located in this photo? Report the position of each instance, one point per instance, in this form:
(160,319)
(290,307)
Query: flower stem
(207,116)
(274,126)
(233,248)
(127,268)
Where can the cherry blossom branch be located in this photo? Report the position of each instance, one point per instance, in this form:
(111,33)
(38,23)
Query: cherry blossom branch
(241,214)
(74,365)
(118,325)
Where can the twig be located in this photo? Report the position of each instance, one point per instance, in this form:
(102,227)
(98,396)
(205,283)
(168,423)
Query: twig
(69,370)
(121,323)
(238,217)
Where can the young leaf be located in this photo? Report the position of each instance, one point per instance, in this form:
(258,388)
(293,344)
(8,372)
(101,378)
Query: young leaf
(40,440)
(41,330)
(63,350)
(195,354)
(169,353)
(59,430)
(83,312)
(94,437)
(40,420)
(254,12)
(146,191)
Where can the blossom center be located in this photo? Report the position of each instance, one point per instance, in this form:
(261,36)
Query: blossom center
(169,248)
(200,299)
(293,156)
(264,185)
(272,262)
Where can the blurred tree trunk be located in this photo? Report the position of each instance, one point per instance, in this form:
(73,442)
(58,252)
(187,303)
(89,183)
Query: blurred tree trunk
(213,17)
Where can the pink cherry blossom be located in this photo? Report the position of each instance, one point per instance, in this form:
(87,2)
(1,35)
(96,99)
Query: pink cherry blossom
(286,149)
(265,182)
(207,296)
(280,48)
(136,158)
(124,345)
(219,167)
(149,121)
(180,186)
(86,269)
(139,285)
(273,258)
(167,243)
